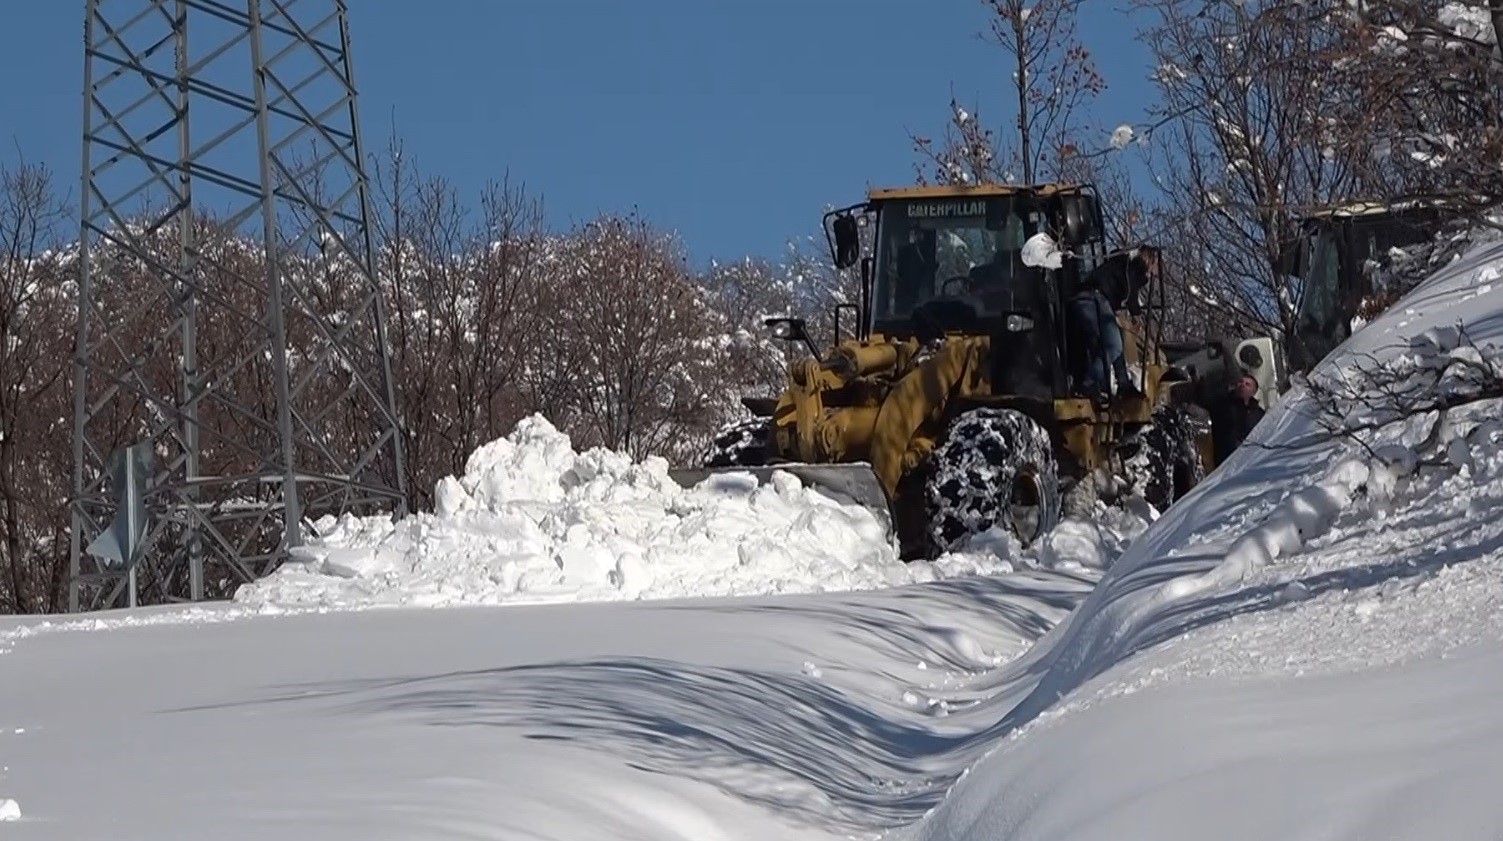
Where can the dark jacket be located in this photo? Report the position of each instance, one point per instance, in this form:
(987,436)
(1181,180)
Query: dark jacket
(1120,278)
(1231,421)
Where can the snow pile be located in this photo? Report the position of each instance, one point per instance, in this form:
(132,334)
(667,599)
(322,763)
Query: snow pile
(1090,545)
(10,810)
(532,520)
(1295,627)
(1345,646)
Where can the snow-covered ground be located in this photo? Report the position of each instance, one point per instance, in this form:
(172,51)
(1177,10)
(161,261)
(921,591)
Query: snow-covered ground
(1306,647)
(790,716)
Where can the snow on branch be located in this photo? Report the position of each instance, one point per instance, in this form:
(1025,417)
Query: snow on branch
(1442,371)
(1432,408)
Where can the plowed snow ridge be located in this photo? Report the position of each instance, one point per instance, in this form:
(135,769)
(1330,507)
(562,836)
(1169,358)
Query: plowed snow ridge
(533,520)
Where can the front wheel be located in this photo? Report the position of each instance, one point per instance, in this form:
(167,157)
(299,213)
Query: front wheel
(994,467)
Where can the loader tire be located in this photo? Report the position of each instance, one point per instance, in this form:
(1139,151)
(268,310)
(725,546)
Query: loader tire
(739,444)
(993,467)
(1169,464)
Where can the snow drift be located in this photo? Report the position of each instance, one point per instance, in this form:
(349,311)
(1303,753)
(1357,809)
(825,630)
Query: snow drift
(1290,631)
(532,520)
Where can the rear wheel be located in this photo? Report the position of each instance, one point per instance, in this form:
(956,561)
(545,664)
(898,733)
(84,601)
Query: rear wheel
(739,444)
(994,467)
(1168,465)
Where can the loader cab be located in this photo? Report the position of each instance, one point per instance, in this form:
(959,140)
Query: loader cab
(948,261)
(1334,255)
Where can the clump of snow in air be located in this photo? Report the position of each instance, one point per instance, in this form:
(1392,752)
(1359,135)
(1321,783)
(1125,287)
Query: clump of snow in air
(533,520)
(1121,136)
(10,810)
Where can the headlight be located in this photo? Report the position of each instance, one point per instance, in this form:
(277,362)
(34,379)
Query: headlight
(1019,323)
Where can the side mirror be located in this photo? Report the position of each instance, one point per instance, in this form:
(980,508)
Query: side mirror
(1081,220)
(847,241)
(792,330)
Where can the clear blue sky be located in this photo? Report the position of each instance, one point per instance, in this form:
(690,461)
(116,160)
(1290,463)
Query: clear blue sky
(733,123)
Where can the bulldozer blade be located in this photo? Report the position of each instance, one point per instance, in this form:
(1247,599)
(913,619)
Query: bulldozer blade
(854,482)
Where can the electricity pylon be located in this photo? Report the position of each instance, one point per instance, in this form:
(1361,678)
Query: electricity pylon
(237,361)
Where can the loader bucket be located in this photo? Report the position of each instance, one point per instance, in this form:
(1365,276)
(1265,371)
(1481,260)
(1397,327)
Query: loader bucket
(849,482)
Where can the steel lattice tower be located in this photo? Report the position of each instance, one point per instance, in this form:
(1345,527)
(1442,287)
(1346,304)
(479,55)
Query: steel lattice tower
(247,345)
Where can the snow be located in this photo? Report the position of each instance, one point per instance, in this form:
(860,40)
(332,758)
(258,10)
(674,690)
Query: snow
(1308,646)
(1316,629)
(1089,546)
(801,717)
(532,520)
(1468,21)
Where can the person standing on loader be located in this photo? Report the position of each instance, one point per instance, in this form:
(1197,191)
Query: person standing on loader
(1112,286)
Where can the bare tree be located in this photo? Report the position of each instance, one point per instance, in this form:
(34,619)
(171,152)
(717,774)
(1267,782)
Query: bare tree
(1246,92)
(743,295)
(639,336)
(36,316)
(463,293)
(501,315)
(1053,78)
(1426,114)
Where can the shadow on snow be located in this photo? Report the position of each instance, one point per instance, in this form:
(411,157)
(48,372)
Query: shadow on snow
(861,762)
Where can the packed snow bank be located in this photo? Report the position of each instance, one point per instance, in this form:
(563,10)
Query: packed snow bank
(1413,752)
(1347,551)
(532,520)
(1362,664)
(1347,440)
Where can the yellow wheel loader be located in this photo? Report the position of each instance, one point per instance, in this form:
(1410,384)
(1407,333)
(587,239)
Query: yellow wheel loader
(954,405)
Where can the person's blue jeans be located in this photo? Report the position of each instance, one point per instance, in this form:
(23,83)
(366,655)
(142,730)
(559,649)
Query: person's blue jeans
(1103,338)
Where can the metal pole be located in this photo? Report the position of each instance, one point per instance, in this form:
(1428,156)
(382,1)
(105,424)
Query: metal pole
(85,304)
(191,437)
(291,510)
(388,382)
